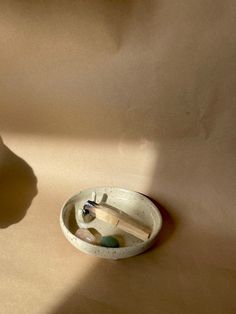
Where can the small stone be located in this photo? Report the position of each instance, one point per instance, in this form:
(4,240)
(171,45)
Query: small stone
(109,241)
(86,235)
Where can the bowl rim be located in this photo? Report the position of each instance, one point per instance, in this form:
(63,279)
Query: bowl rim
(147,243)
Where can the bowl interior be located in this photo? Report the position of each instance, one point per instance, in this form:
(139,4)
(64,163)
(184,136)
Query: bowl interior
(132,203)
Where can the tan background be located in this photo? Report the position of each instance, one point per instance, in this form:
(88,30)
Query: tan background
(137,94)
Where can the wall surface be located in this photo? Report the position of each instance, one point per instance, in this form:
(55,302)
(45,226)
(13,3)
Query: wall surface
(136,94)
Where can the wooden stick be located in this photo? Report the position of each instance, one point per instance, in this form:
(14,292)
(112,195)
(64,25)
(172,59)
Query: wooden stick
(121,220)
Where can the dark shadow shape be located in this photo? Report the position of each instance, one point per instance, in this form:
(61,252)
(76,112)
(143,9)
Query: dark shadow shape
(18,187)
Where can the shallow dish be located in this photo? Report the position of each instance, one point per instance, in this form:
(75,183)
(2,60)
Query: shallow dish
(133,203)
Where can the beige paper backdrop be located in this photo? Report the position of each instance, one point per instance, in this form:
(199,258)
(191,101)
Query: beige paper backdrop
(137,94)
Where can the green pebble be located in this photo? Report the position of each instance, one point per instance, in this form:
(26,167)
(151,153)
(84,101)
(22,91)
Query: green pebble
(109,241)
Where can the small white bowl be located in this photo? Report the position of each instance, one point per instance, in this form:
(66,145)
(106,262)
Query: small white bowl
(135,204)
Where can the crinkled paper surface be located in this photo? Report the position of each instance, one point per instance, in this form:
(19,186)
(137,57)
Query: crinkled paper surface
(136,94)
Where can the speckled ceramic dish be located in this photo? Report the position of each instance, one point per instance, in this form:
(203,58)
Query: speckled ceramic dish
(132,203)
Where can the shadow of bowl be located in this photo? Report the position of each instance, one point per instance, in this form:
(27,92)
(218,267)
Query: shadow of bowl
(168,224)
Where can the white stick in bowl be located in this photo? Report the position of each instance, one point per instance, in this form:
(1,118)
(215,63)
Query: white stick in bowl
(119,219)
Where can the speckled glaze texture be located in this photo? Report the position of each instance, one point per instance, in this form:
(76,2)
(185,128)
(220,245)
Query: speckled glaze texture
(133,203)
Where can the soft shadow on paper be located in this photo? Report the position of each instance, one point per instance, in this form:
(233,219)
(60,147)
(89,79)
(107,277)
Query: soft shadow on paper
(18,187)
